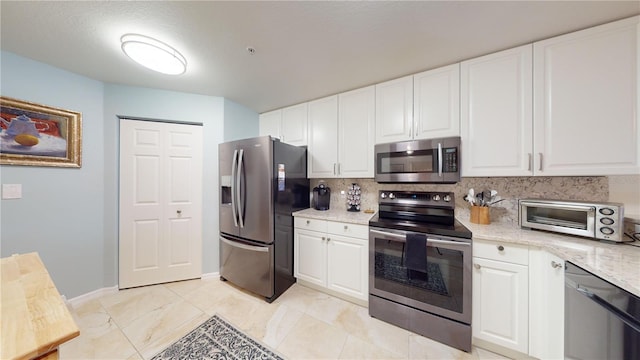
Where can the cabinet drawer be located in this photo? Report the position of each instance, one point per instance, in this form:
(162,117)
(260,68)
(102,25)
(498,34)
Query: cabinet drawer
(348,229)
(310,224)
(500,251)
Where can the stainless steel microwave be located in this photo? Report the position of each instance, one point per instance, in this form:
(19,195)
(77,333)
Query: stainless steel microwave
(602,221)
(418,161)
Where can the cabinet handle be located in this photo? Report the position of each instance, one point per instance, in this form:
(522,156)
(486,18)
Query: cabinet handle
(334,169)
(179,212)
(540,167)
(308,222)
(477,266)
(324,238)
(556,265)
(328,239)
(346,227)
(530,162)
(500,248)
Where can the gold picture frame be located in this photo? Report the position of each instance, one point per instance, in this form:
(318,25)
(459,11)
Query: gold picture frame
(39,135)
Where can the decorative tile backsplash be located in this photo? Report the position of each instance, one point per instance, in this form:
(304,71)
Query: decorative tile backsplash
(595,188)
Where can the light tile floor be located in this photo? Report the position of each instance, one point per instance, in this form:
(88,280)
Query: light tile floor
(301,324)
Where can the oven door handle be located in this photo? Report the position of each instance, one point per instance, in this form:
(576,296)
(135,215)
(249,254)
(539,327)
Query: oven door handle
(389,234)
(403,238)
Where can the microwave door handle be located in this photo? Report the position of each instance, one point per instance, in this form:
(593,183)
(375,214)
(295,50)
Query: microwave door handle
(234,175)
(439,159)
(239,190)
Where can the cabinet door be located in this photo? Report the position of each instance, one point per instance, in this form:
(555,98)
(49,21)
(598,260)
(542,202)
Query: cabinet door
(394,110)
(546,305)
(500,303)
(586,101)
(269,123)
(294,125)
(356,133)
(310,256)
(347,266)
(496,114)
(436,102)
(323,133)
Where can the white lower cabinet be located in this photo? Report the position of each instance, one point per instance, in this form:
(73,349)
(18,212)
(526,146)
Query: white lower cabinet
(500,295)
(332,255)
(546,305)
(518,300)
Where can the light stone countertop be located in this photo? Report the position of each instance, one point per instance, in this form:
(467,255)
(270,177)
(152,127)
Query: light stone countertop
(352,217)
(616,263)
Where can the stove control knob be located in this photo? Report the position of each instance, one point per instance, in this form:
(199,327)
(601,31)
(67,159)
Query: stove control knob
(446,198)
(436,197)
(383,195)
(392,196)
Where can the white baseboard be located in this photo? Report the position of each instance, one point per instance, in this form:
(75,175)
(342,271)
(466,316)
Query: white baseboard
(79,300)
(209,276)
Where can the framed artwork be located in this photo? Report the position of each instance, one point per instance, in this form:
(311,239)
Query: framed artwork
(39,135)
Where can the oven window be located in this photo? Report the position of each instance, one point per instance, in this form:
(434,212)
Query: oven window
(574,219)
(420,161)
(440,285)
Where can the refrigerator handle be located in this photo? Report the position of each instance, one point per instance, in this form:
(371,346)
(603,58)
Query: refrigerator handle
(239,190)
(234,168)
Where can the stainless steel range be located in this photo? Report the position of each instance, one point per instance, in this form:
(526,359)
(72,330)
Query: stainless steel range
(420,266)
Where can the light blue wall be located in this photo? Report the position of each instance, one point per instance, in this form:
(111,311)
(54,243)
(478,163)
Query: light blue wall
(61,211)
(239,122)
(70,216)
(165,105)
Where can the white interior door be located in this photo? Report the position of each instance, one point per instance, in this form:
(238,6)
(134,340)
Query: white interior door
(160,232)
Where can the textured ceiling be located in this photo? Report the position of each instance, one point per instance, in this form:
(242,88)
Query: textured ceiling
(305,50)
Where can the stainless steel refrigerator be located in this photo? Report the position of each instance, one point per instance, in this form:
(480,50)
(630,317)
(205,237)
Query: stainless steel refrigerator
(262,181)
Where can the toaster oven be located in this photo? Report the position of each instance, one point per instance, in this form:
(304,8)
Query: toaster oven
(601,221)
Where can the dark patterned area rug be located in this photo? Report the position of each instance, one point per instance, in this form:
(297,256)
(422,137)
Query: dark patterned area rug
(216,339)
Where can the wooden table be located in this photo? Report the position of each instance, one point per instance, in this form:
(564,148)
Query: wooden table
(35,320)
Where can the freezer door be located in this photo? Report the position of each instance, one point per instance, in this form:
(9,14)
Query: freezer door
(247,265)
(255,167)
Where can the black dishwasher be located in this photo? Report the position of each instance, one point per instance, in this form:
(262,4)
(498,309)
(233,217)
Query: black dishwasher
(602,321)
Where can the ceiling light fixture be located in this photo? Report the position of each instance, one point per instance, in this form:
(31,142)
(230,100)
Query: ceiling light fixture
(153,54)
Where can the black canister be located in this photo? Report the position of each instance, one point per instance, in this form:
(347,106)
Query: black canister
(321,197)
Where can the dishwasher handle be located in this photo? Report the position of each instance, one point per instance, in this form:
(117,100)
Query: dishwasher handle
(624,317)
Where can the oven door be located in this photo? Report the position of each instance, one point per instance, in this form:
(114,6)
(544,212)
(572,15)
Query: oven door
(444,289)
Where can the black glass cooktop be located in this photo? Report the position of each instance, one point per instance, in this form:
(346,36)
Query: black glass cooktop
(455,230)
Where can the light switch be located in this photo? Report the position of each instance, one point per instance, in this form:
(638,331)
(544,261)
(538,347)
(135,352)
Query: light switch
(11,191)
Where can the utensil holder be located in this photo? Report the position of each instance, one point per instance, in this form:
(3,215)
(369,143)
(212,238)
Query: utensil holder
(480,215)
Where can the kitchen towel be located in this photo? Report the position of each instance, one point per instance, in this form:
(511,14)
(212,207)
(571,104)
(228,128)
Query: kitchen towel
(416,253)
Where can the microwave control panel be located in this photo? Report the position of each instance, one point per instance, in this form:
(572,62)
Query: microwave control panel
(450,160)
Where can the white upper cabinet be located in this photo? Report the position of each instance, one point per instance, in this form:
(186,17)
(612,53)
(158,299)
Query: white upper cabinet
(288,124)
(294,125)
(496,114)
(586,103)
(394,110)
(356,128)
(323,132)
(269,123)
(341,135)
(436,103)
(422,106)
